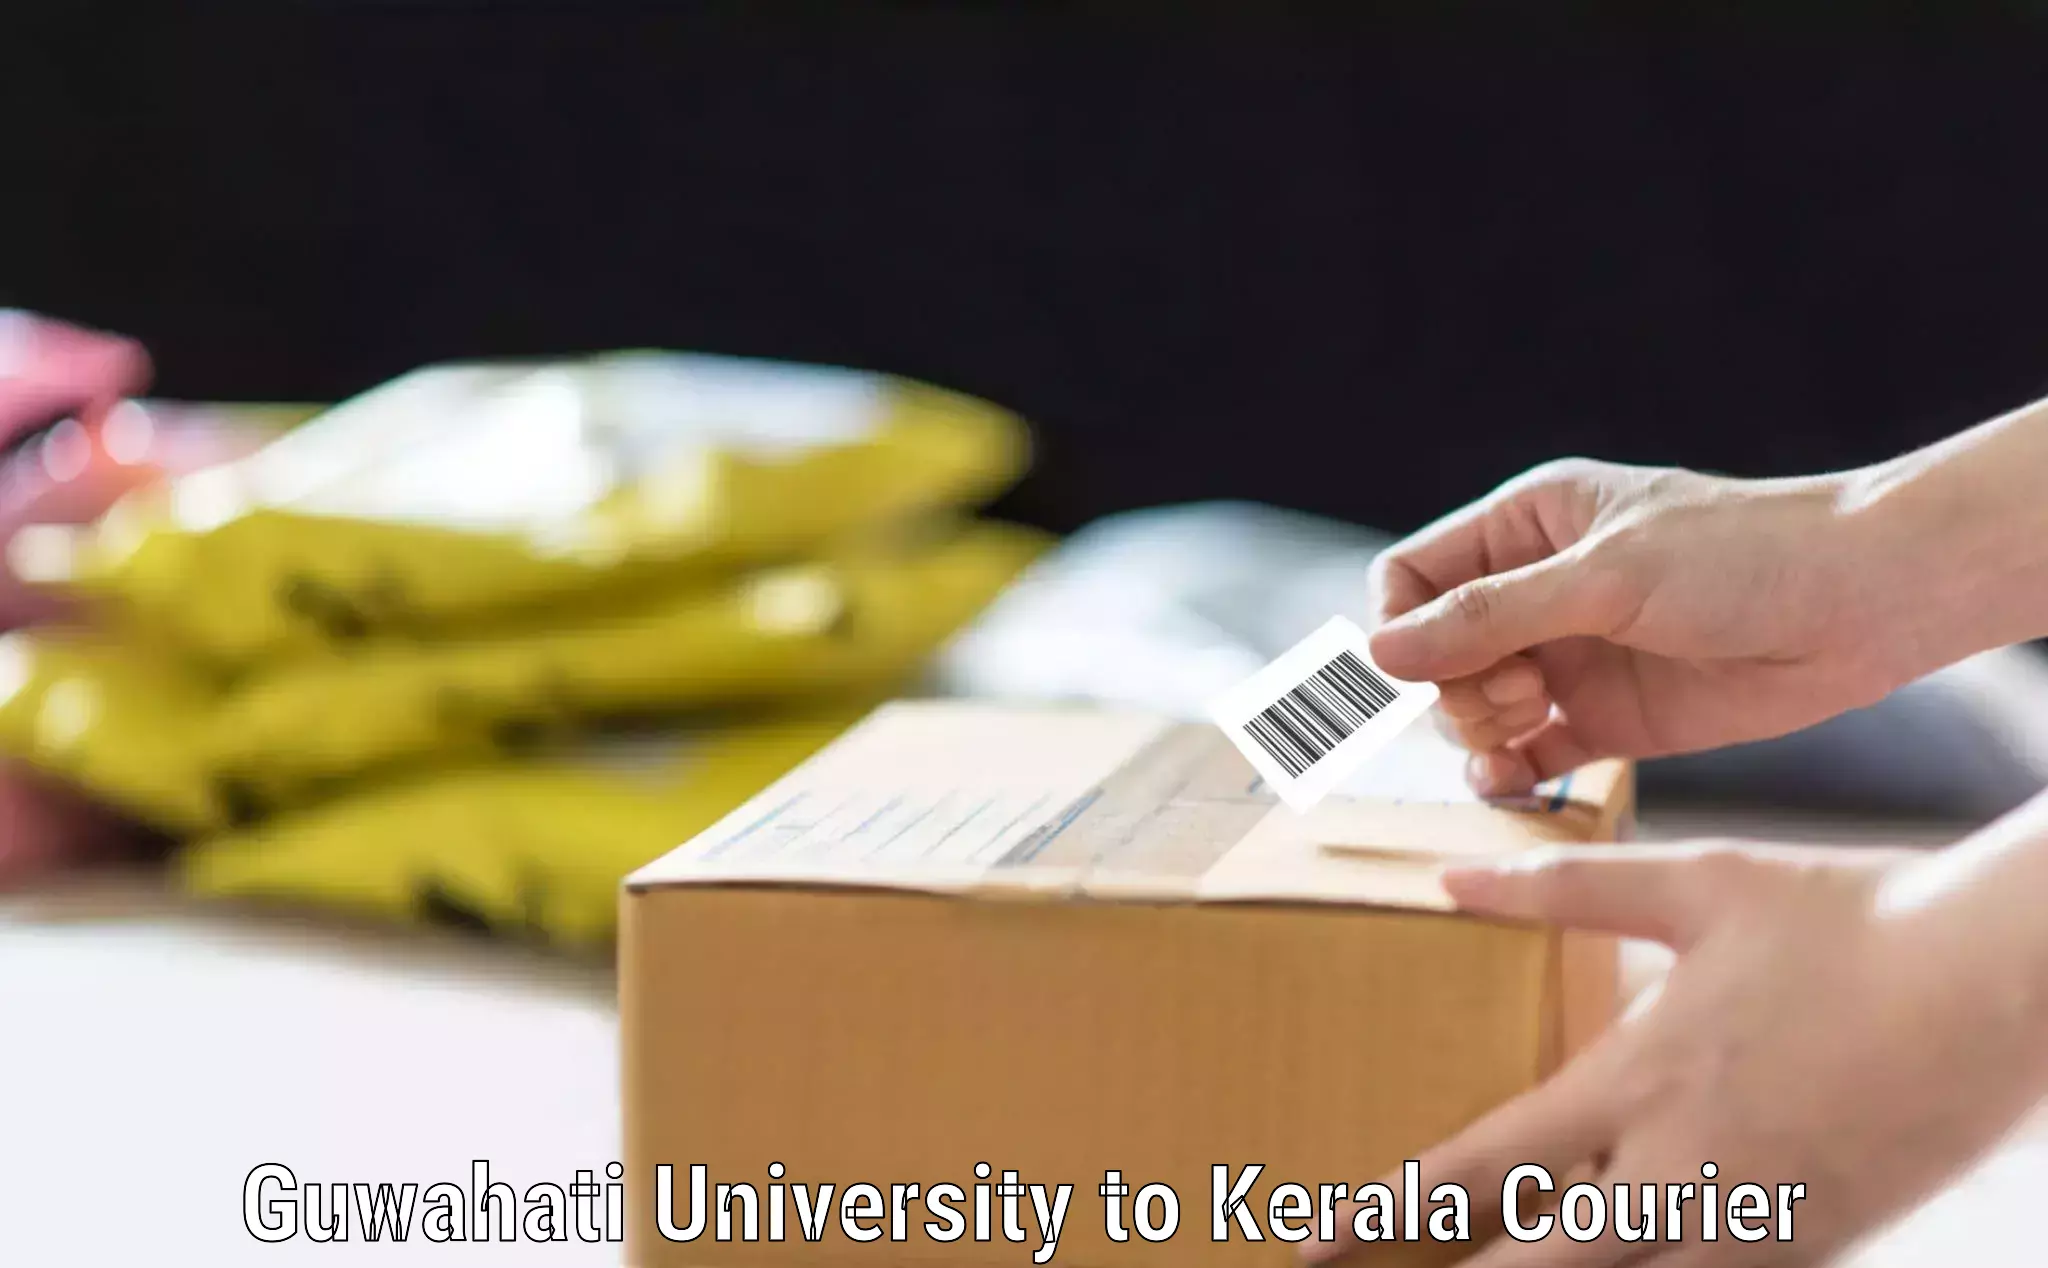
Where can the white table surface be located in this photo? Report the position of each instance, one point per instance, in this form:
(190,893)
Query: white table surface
(151,1054)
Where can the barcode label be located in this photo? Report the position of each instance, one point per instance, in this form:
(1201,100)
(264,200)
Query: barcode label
(1309,721)
(1310,718)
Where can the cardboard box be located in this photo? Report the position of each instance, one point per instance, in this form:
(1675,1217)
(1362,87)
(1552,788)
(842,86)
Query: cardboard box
(1061,942)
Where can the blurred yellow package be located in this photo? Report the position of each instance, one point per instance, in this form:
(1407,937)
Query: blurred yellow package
(443,500)
(535,846)
(112,718)
(185,753)
(861,619)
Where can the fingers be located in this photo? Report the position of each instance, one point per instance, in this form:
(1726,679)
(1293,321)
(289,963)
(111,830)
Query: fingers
(1399,586)
(1665,894)
(1529,757)
(1556,1126)
(1559,1251)
(1620,1215)
(1486,711)
(1521,522)
(1497,731)
(1500,773)
(1526,756)
(1448,553)
(1557,749)
(1481,622)
(55,366)
(1511,682)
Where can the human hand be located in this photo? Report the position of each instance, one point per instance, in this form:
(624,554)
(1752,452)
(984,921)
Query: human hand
(71,442)
(72,439)
(1815,1030)
(1588,610)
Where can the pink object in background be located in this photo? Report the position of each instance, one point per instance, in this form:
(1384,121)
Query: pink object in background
(73,440)
(49,369)
(60,385)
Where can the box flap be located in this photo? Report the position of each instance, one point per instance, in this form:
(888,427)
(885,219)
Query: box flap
(1024,801)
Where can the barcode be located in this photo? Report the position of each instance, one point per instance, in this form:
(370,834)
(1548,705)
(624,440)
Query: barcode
(1300,727)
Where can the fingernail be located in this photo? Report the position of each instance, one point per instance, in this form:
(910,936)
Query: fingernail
(1512,686)
(1487,772)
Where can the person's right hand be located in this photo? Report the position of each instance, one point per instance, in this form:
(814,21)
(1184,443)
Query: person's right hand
(1866,1024)
(1587,610)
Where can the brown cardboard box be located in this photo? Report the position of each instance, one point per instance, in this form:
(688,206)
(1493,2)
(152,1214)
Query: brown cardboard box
(1061,942)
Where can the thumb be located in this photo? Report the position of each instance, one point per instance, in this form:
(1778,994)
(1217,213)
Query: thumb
(1661,894)
(1486,620)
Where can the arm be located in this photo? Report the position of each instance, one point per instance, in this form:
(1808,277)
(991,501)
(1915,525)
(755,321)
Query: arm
(1975,913)
(1968,517)
(1867,1026)
(1588,609)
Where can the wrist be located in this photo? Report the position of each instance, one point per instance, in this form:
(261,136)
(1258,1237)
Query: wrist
(1953,544)
(1965,933)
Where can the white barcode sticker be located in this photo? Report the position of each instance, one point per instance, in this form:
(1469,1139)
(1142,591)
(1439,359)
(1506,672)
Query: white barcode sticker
(1315,715)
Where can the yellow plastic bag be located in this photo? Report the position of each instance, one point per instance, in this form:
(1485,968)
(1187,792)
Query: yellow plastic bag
(860,620)
(439,503)
(114,719)
(535,847)
(185,753)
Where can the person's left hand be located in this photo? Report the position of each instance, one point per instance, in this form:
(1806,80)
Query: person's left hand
(1807,1035)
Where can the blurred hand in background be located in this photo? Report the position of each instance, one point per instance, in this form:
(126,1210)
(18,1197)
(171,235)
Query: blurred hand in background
(73,440)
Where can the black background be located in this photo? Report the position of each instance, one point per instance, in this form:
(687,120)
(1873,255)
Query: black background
(1360,264)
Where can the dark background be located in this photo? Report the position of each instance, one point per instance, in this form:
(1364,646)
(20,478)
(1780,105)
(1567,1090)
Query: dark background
(1358,264)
